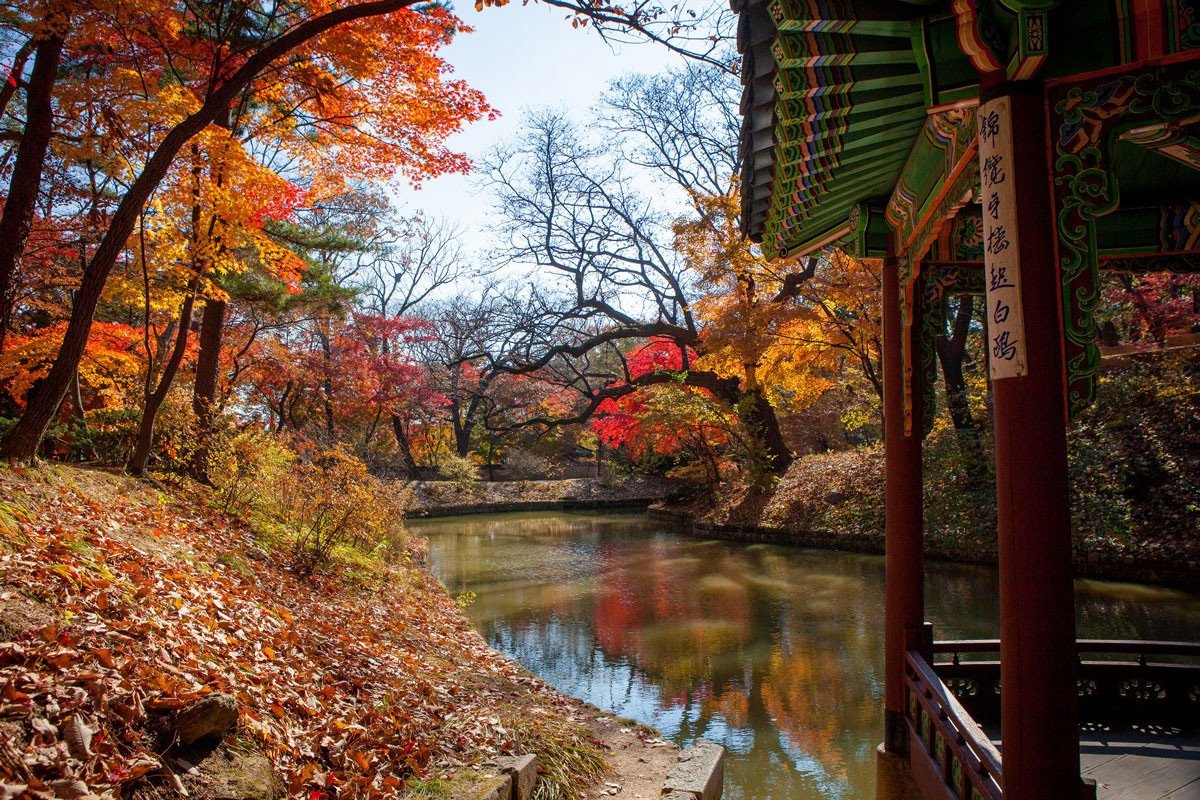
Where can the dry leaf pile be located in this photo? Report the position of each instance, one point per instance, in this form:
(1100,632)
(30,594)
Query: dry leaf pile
(349,688)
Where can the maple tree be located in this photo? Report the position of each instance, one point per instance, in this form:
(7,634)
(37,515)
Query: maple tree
(109,371)
(379,381)
(1153,306)
(834,333)
(669,418)
(333,57)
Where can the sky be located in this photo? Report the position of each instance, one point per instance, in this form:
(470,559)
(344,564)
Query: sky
(520,57)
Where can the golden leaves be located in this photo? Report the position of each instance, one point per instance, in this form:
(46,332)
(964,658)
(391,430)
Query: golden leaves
(795,349)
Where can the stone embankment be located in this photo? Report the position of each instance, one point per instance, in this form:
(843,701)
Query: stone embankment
(698,773)
(1182,574)
(450,499)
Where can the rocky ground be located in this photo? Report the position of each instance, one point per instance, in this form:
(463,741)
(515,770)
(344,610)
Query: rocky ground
(638,758)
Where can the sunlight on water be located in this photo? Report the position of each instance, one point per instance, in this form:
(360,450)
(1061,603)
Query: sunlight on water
(774,652)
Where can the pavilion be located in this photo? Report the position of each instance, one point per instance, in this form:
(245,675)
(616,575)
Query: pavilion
(1011,149)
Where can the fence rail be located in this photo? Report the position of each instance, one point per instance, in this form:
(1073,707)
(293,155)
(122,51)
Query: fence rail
(1118,681)
(951,757)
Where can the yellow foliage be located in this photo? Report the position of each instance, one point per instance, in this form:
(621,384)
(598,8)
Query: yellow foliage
(796,350)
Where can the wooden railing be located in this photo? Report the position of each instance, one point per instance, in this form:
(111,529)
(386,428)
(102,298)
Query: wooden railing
(951,757)
(1117,681)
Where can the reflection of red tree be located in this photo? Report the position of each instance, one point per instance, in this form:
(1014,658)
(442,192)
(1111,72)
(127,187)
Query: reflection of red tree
(643,614)
(617,616)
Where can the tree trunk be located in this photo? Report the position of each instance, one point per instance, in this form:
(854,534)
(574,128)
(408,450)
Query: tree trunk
(212,321)
(462,439)
(950,352)
(758,415)
(762,423)
(283,407)
(22,441)
(208,360)
(463,425)
(407,463)
(17,219)
(204,392)
(81,415)
(77,401)
(327,382)
(9,88)
(154,400)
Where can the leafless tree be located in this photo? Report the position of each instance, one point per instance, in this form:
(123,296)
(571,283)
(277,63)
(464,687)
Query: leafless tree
(470,332)
(682,126)
(573,210)
(405,262)
(700,31)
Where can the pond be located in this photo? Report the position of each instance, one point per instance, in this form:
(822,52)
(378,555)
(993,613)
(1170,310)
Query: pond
(774,652)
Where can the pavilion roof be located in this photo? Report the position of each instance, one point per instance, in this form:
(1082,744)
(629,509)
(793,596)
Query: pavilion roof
(835,94)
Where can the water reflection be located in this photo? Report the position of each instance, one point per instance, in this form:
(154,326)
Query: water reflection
(775,652)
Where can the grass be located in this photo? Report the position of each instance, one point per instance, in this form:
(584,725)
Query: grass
(12,515)
(568,759)
(430,789)
(236,563)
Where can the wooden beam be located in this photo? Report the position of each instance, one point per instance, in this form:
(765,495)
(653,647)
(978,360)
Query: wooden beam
(1039,706)
(904,580)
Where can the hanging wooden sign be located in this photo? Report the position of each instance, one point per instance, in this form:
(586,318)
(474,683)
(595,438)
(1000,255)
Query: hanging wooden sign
(1001,253)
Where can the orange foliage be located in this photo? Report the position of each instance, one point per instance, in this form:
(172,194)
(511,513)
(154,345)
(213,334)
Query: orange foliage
(108,373)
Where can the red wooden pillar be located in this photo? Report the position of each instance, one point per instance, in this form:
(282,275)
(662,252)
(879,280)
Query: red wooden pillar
(1039,707)
(905,566)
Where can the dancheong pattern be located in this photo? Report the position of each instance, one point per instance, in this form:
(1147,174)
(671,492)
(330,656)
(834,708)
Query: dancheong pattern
(1085,119)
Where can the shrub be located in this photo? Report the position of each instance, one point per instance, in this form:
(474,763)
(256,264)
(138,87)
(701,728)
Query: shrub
(244,467)
(176,435)
(334,502)
(392,502)
(524,464)
(107,437)
(460,469)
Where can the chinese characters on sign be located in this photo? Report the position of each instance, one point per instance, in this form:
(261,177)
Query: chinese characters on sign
(1001,256)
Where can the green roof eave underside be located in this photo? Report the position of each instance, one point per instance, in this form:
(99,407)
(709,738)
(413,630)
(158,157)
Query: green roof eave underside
(820,175)
(852,91)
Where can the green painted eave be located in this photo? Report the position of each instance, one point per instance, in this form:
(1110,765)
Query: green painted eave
(835,97)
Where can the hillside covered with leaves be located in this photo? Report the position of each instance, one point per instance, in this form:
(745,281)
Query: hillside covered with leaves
(123,601)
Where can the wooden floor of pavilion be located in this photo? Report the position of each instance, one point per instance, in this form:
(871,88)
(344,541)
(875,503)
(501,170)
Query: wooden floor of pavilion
(1146,763)
(1141,765)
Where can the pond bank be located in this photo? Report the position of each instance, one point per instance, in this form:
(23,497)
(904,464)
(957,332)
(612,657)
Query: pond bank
(1176,573)
(365,675)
